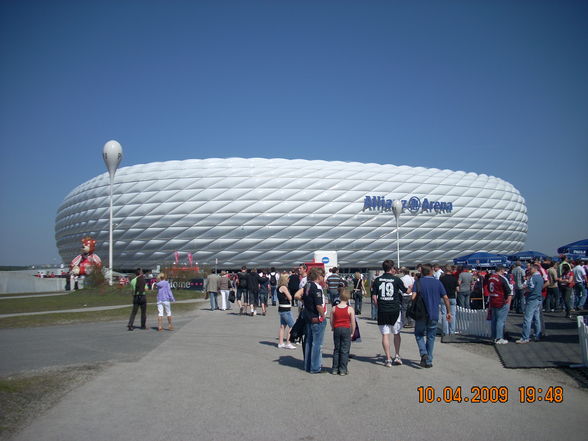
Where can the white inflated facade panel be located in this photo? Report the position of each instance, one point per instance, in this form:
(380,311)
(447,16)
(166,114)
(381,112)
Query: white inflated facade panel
(263,212)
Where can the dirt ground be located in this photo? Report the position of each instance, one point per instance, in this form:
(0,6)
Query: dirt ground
(23,397)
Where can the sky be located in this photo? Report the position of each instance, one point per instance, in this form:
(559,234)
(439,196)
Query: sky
(494,87)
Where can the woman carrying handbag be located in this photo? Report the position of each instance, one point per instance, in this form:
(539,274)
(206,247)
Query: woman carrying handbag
(358,292)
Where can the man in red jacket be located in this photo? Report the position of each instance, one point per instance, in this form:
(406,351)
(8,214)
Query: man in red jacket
(500,295)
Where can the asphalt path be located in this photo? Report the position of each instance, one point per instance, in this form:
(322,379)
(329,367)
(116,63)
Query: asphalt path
(221,377)
(28,349)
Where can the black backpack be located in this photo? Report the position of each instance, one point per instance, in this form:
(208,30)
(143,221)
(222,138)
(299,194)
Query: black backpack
(417,309)
(273,279)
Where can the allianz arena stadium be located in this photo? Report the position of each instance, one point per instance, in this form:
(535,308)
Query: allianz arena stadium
(278,212)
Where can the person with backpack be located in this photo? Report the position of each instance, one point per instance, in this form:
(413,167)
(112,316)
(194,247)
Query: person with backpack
(431,291)
(273,280)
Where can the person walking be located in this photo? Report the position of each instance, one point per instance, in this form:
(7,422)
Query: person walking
(499,302)
(264,290)
(212,283)
(253,291)
(343,327)
(242,292)
(358,292)
(224,286)
(334,284)
(387,295)
(164,297)
(274,278)
(139,301)
(408,281)
(431,292)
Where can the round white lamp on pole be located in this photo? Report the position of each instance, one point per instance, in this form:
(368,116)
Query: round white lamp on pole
(397,209)
(112,154)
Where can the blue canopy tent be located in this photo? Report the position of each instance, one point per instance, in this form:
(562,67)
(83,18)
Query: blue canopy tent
(527,255)
(481,259)
(577,249)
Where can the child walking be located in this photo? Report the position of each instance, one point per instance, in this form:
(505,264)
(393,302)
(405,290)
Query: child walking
(343,327)
(164,297)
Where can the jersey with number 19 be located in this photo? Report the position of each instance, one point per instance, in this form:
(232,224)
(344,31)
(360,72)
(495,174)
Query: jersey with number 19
(388,288)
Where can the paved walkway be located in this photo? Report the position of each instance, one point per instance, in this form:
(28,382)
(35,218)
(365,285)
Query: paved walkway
(11,296)
(221,377)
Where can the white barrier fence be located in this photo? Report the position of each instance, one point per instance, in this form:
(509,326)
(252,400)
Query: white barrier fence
(472,322)
(583,337)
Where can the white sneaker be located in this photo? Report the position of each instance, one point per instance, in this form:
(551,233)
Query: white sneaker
(290,346)
(501,341)
(281,345)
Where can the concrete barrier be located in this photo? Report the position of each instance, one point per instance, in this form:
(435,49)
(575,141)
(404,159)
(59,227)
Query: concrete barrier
(23,282)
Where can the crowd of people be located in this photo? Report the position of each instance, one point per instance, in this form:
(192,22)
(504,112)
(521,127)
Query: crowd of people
(400,298)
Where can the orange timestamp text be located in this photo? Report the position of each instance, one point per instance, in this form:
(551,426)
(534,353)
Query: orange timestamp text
(489,394)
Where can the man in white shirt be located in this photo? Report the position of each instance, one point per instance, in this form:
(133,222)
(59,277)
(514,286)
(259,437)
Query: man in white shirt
(408,282)
(438,272)
(579,285)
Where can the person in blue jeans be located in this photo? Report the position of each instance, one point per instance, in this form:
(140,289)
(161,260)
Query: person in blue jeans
(579,286)
(532,306)
(432,292)
(314,310)
(499,298)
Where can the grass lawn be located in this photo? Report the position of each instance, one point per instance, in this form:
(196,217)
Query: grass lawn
(84,298)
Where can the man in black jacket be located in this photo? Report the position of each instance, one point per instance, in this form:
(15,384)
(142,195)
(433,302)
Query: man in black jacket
(139,300)
(253,290)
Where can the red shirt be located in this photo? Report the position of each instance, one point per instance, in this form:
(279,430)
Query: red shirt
(498,290)
(341,317)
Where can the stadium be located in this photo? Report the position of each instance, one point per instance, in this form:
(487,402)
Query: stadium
(278,212)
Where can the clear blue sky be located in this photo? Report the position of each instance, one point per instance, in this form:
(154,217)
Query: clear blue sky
(495,87)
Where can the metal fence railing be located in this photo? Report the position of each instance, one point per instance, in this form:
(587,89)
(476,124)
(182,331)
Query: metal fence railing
(472,322)
(583,337)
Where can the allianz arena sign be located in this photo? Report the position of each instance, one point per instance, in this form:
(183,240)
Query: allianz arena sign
(413,205)
(278,212)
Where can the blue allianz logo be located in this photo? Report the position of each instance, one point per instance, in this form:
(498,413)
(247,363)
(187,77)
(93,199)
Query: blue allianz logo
(413,205)
(326,260)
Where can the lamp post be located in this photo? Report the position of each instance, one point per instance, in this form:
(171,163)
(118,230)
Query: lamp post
(397,209)
(112,155)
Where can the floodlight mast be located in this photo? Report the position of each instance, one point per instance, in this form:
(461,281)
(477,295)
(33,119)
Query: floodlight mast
(397,209)
(112,154)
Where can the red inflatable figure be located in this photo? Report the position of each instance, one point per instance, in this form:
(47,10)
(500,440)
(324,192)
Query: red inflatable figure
(85,263)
